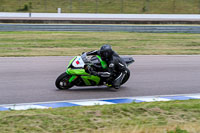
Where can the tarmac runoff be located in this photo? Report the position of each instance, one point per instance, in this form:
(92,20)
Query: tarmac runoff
(92,102)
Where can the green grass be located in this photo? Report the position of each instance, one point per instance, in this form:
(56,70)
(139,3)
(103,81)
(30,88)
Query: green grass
(104,6)
(154,117)
(32,43)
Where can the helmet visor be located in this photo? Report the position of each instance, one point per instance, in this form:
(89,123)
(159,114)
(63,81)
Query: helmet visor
(105,55)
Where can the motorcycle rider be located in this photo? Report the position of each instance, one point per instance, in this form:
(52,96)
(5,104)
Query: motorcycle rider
(116,69)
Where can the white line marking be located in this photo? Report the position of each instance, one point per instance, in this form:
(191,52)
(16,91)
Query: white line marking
(25,107)
(153,99)
(90,103)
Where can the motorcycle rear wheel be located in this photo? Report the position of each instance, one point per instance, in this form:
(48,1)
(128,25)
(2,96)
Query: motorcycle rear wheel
(126,77)
(62,82)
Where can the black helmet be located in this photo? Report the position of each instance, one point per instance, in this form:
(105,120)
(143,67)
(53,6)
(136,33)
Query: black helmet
(106,52)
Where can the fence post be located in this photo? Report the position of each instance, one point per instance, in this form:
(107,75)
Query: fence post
(30,9)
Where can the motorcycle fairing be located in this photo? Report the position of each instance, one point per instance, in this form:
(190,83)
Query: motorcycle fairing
(79,71)
(87,79)
(103,63)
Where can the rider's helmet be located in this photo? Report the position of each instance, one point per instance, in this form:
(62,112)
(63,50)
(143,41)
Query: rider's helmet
(106,52)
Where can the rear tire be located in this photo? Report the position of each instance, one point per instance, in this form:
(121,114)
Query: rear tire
(126,77)
(62,82)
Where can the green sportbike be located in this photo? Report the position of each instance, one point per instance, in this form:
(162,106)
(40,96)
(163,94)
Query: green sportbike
(77,74)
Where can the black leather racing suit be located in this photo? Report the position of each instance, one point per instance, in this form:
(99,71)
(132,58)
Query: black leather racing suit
(116,67)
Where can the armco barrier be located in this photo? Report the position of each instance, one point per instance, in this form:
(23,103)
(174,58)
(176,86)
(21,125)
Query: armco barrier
(86,18)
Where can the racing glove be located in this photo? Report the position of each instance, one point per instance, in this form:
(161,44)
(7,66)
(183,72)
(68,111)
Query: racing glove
(91,71)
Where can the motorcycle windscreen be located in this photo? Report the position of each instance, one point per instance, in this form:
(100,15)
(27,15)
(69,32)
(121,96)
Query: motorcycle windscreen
(78,62)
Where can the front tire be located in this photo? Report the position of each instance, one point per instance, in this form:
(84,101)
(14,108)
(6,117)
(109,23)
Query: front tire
(62,82)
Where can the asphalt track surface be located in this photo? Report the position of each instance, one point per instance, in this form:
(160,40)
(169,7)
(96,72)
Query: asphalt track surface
(99,28)
(31,79)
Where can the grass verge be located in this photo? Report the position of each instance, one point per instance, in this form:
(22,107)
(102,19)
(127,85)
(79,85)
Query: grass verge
(154,117)
(103,6)
(36,43)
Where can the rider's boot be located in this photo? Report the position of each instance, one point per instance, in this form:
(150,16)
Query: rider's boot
(117,82)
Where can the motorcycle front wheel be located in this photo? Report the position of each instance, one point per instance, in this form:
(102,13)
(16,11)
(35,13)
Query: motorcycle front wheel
(62,82)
